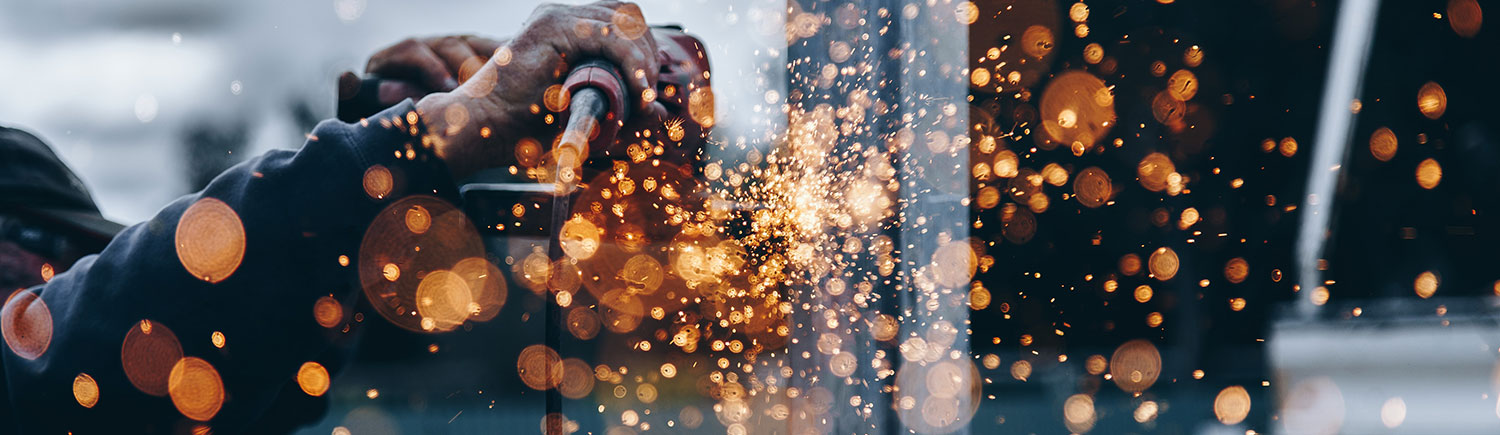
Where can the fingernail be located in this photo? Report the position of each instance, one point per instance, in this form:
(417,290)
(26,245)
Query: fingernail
(450,84)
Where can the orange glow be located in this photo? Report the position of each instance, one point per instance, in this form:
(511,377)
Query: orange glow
(328,312)
(1037,41)
(1092,187)
(1154,319)
(979,297)
(528,152)
(196,389)
(1183,85)
(378,182)
(1432,101)
(540,367)
(966,13)
(1093,53)
(1130,264)
(1143,294)
(583,323)
(629,21)
(577,379)
(1078,411)
(1383,144)
(1163,263)
(26,324)
(701,106)
(391,272)
(502,56)
(1135,366)
(1077,110)
(980,77)
(210,240)
(1232,405)
(1429,174)
(486,287)
(85,390)
(407,242)
(148,354)
(580,238)
(642,273)
(622,312)
(885,327)
(556,98)
(1465,17)
(418,219)
(1096,364)
(1154,171)
(1020,370)
(313,379)
(1236,270)
(444,298)
(1426,284)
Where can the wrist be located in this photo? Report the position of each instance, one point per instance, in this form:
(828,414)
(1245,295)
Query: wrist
(449,120)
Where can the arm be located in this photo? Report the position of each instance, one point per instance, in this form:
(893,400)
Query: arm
(276,228)
(299,212)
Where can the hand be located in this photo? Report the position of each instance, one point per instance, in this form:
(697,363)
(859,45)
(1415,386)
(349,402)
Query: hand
(504,98)
(419,67)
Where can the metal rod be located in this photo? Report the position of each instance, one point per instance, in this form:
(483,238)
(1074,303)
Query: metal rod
(588,107)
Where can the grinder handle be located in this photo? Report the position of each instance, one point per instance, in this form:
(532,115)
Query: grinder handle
(603,77)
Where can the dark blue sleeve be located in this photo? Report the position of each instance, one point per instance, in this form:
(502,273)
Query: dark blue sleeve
(299,213)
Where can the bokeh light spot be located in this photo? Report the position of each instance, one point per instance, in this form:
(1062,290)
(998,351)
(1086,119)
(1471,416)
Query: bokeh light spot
(1232,405)
(1383,144)
(378,182)
(196,389)
(26,324)
(1432,101)
(1429,174)
(210,240)
(148,353)
(313,378)
(1135,366)
(85,390)
(328,312)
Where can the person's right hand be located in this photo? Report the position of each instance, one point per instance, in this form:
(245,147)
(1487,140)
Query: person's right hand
(506,94)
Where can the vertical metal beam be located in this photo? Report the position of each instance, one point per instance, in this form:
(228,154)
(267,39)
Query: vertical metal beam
(1353,34)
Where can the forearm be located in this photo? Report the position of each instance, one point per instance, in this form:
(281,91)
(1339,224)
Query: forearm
(299,218)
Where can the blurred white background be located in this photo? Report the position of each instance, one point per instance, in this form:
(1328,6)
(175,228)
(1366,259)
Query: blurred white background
(113,86)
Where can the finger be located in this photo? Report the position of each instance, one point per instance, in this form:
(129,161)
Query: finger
(482,45)
(348,85)
(413,60)
(391,92)
(631,57)
(653,63)
(461,59)
(629,23)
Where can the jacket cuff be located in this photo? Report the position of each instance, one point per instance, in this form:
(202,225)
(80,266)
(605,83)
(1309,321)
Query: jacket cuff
(397,141)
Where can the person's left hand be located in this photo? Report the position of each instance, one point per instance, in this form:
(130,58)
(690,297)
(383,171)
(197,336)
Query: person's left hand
(416,67)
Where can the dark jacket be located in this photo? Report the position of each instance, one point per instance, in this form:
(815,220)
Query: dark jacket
(300,212)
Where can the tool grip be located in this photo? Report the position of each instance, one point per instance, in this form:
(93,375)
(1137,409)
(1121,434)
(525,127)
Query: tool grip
(603,77)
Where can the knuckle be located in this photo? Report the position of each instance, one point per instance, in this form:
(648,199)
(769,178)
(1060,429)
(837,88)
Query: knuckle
(407,44)
(547,16)
(448,42)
